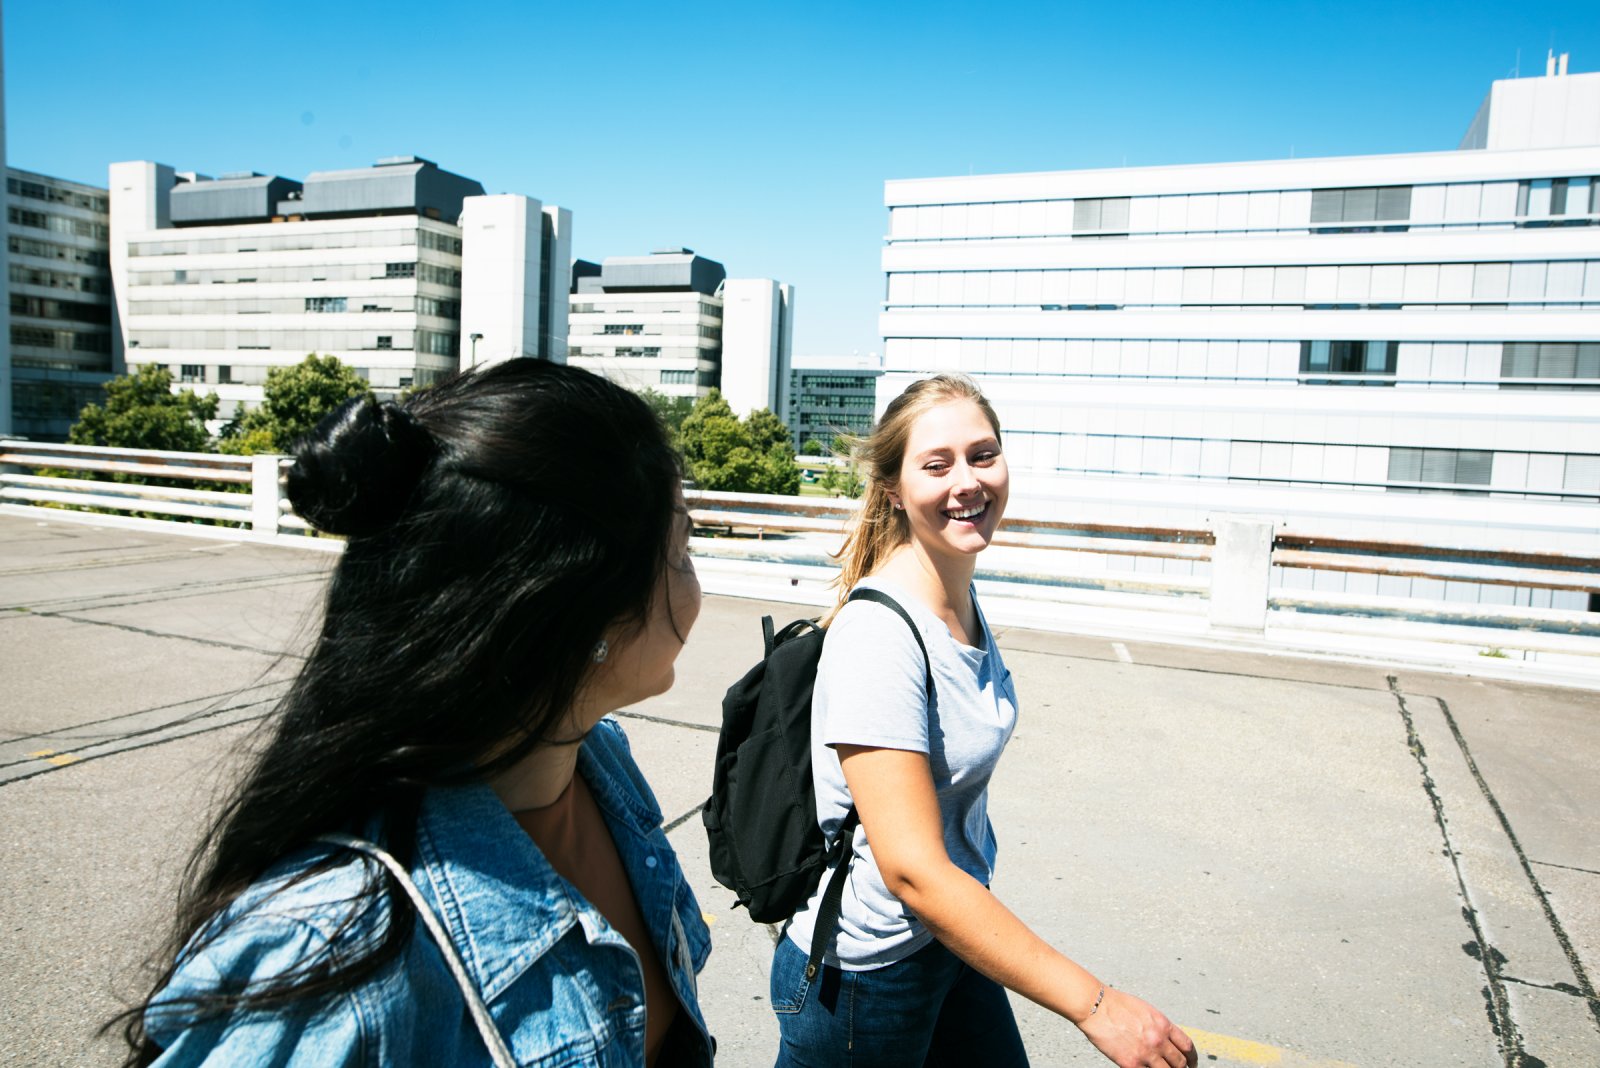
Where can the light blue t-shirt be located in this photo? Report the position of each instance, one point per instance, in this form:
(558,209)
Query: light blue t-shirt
(871,691)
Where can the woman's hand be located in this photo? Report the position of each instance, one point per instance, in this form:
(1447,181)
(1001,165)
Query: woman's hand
(1134,1034)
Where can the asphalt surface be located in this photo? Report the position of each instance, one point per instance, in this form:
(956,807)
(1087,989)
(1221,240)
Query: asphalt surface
(1304,863)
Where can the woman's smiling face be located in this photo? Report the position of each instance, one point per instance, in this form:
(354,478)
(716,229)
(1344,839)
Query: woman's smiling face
(953,479)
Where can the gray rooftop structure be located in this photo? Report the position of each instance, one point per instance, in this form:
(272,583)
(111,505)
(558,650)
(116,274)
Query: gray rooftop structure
(233,198)
(397,185)
(666,271)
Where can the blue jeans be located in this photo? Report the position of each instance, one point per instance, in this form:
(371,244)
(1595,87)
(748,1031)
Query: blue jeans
(927,1010)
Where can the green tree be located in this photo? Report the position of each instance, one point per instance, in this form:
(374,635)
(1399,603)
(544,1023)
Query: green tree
(844,480)
(813,447)
(722,452)
(672,411)
(142,412)
(295,400)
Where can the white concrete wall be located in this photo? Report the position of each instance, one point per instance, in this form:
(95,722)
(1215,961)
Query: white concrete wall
(1155,378)
(139,192)
(555,345)
(1547,112)
(501,237)
(753,343)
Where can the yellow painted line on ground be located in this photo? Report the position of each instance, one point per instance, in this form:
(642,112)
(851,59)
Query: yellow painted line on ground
(1226,1048)
(50,756)
(710,919)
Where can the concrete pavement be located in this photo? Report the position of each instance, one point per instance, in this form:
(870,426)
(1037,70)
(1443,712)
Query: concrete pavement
(1305,863)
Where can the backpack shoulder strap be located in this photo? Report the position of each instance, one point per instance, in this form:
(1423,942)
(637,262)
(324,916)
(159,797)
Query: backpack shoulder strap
(864,593)
(499,1052)
(844,842)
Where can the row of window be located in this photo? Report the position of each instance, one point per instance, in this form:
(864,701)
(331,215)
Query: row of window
(50,250)
(1452,205)
(1535,281)
(256,375)
(52,400)
(673,307)
(76,311)
(51,194)
(421,305)
(1398,469)
(1435,364)
(44,337)
(59,224)
(689,378)
(68,280)
(332,272)
(684,329)
(446,243)
(439,343)
(801,380)
(837,401)
(296,239)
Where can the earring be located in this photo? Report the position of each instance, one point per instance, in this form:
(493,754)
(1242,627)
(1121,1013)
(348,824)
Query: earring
(602,649)
(899,507)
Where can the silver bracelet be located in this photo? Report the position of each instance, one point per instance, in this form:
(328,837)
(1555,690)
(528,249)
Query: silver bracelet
(1096,1007)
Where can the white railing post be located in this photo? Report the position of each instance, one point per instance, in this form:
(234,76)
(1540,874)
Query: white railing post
(1241,571)
(264,494)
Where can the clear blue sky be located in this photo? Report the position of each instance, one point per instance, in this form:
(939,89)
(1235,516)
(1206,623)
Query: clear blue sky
(757,134)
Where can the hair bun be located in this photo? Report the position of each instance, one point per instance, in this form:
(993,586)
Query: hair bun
(354,474)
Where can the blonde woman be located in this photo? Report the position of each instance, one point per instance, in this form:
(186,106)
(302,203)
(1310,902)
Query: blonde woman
(917,968)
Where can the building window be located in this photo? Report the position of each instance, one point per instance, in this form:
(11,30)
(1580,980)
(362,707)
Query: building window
(191,372)
(1100,214)
(400,270)
(225,375)
(1546,201)
(326,304)
(1362,209)
(405,381)
(385,341)
(677,378)
(1555,360)
(1443,468)
(624,328)
(1349,358)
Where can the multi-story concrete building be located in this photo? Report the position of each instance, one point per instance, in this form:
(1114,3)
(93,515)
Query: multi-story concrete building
(649,322)
(673,322)
(1403,345)
(224,279)
(832,395)
(59,285)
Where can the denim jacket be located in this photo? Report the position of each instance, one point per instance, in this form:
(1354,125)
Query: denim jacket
(563,986)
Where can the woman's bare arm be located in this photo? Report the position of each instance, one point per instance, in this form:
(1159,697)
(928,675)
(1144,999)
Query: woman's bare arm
(894,794)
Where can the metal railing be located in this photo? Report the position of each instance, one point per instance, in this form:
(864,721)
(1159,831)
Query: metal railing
(1227,569)
(237,495)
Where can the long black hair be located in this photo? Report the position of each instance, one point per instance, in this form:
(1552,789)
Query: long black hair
(498,524)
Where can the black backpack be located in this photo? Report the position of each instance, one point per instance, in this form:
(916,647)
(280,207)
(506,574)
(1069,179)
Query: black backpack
(761,817)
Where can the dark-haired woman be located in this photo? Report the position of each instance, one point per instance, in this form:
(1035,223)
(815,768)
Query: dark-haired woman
(444,853)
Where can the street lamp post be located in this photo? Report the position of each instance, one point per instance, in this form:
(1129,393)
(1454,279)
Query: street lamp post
(475,339)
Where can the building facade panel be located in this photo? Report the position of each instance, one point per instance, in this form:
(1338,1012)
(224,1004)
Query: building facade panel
(1338,343)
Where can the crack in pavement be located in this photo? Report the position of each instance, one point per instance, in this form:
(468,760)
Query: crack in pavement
(1498,1004)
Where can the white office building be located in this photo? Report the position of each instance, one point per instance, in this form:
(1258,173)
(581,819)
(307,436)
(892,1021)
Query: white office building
(1404,346)
(224,279)
(649,322)
(59,290)
(674,323)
